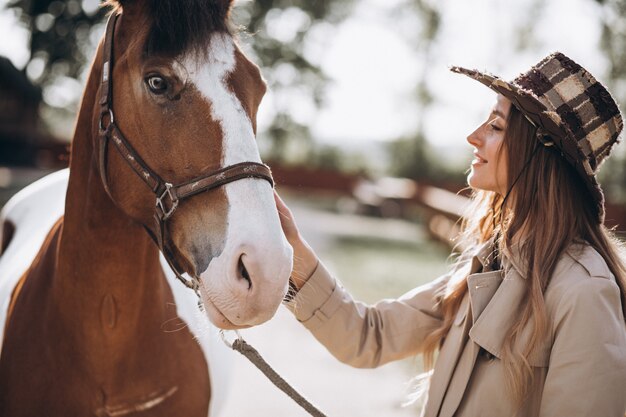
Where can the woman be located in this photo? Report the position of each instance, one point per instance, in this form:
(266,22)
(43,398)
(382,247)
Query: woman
(531,319)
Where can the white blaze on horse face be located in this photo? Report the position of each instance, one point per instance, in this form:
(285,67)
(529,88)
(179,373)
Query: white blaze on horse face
(253,233)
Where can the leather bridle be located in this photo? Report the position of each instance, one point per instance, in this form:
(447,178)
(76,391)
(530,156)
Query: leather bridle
(167,194)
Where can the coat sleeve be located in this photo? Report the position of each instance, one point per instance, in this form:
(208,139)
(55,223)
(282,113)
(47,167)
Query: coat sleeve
(367,336)
(587,369)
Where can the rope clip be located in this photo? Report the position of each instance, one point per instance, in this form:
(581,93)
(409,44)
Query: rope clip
(225,339)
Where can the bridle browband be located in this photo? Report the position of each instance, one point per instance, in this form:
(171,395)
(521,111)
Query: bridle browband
(167,195)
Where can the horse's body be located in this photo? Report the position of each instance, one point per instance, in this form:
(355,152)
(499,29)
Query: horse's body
(92,325)
(33,212)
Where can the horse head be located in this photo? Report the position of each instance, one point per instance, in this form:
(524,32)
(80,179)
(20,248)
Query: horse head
(184,98)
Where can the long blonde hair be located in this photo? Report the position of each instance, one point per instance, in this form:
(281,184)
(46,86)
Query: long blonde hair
(547,192)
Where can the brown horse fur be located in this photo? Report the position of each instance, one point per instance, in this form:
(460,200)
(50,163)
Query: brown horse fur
(85,333)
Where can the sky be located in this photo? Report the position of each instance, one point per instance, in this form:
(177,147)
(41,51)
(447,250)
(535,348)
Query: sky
(373,65)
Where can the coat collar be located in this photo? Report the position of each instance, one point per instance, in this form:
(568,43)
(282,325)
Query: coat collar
(511,258)
(497,298)
(481,258)
(497,301)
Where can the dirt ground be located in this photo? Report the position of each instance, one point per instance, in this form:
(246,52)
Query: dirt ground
(338,390)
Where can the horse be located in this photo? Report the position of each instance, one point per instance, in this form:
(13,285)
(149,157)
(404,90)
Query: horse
(164,162)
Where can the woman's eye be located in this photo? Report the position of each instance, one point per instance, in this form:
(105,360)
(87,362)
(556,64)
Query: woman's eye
(157,84)
(494,127)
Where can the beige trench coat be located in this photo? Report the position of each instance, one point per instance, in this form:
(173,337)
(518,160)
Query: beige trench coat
(581,371)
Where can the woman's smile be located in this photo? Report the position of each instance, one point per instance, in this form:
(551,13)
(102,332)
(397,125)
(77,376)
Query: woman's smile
(478,160)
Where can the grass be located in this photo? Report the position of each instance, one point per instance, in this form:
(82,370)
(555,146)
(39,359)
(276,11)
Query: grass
(373,269)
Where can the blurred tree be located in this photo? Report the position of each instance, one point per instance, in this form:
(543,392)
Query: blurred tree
(276,34)
(279,36)
(613,43)
(335,158)
(60,32)
(412,157)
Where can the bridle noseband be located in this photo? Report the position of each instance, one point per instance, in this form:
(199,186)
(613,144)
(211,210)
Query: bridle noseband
(167,195)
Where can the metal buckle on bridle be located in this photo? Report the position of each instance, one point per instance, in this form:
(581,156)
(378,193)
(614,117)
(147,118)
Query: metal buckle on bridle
(166,213)
(101,126)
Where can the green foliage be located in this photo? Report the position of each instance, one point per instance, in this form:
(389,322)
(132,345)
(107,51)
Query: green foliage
(334,158)
(411,158)
(60,35)
(278,31)
(613,43)
(379,268)
(290,142)
(430,18)
(415,158)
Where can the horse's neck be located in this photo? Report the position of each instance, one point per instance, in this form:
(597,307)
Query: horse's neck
(106,261)
(104,254)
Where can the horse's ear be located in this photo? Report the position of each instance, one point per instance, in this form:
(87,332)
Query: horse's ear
(223,7)
(120,5)
(112,4)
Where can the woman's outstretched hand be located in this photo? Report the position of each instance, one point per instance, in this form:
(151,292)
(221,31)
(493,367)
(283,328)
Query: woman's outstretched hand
(304,259)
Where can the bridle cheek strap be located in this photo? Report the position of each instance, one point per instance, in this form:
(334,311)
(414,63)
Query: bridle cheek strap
(168,196)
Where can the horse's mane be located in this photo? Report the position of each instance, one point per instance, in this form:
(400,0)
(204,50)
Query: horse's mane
(181,25)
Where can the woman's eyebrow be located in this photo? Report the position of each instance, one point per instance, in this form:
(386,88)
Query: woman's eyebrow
(498,113)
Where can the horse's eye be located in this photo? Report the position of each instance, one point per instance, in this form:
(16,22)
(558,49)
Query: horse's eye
(157,84)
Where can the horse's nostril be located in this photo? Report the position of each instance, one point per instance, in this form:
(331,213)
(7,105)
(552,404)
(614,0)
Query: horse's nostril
(244,272)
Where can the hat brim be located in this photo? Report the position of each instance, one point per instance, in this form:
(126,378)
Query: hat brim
(524,100)
(540,116)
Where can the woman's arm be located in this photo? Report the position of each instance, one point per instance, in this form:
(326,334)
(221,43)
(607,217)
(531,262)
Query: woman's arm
(355,333)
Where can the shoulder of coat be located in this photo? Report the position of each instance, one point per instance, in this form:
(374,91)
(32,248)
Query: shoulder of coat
(578,263)
(589,259)
(579,267)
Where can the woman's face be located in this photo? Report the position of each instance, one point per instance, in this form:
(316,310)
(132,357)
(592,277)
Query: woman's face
(489,167)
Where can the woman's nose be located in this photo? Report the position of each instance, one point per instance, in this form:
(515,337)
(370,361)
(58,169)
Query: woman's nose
(474,138)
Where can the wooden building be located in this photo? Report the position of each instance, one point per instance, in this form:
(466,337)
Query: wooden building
(23,138)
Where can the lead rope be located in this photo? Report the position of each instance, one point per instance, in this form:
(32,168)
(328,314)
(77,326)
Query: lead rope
(257,360)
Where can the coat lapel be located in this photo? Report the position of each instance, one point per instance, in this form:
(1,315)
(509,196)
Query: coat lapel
(447,360)
(484,316)
(498,314)
(490,329)
(482,288)
(454,344)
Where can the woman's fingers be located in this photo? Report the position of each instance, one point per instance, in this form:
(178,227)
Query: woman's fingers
(286,218)
(304,259)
